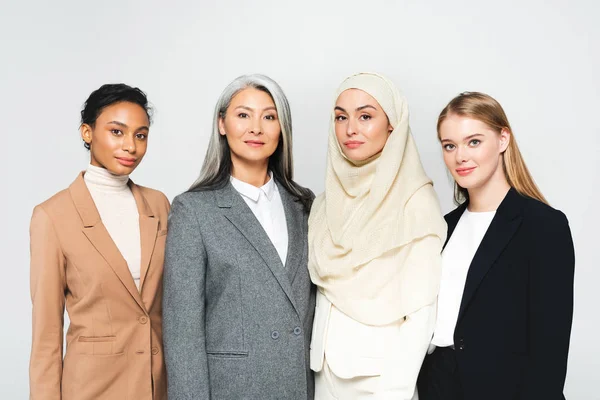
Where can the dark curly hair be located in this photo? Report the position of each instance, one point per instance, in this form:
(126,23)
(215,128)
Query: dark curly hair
(110,94)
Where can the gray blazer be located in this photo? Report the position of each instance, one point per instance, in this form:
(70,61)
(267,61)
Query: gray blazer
(236,322)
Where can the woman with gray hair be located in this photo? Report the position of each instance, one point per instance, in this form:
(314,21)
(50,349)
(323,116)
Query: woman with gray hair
(238,301)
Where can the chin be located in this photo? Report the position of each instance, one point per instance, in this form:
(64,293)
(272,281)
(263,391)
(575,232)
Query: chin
(356,157)
(466,183)
(254,157)
(121,170)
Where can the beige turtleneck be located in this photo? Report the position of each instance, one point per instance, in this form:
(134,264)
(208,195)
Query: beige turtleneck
(119,214)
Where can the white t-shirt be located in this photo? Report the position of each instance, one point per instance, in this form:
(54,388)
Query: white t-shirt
(456,260)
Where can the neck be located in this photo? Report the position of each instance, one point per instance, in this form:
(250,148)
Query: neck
(253,173)
(489,196)
(102,179)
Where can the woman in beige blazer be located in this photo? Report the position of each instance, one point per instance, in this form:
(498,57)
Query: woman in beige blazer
(97,248)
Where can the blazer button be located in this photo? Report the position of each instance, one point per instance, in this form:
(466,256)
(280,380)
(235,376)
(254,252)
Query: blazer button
(297,330)
(461,344)
(143,319)
(155,350)
(275,335)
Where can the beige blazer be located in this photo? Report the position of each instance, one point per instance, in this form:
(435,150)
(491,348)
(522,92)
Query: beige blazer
(114,341)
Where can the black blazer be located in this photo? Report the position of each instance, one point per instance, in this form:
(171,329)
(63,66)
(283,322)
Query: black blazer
(514,324)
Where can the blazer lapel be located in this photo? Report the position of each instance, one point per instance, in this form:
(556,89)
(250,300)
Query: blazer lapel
(239,214)
(148,233)
(294,216)
(452,220)
(502,228)
(96,232)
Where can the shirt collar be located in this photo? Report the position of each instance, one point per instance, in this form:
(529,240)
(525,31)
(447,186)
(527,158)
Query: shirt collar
(253,192)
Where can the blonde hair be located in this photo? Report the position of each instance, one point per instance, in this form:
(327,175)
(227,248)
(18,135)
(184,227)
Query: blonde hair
(486,109)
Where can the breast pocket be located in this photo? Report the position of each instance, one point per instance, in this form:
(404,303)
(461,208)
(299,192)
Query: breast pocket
(98,345)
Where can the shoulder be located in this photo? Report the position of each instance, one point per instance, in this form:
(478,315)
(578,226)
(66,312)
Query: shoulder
(542,215)
(424,199)
(155,198)
(55,204)
(457,212)
(203,202)
(153,194)
(311,194)
(318,202)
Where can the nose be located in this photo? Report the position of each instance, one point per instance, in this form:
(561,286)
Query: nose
(461,154)
(128,144)
(351,127)
(255,127)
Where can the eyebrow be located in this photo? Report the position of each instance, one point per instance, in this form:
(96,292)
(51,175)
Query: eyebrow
(126,126)
(252,109)
(467,138)
(357,109)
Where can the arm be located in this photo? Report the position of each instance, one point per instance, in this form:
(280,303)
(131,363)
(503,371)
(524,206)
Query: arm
(48,285)
(184,306)
(550,313)
(417,329)
(413,340)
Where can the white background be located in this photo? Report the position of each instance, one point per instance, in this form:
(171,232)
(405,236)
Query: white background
(540,59)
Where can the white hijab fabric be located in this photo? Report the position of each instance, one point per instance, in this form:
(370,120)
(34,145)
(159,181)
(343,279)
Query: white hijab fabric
(365,229)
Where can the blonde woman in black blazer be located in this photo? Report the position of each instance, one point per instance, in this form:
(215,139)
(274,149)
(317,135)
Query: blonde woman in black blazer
(506,298)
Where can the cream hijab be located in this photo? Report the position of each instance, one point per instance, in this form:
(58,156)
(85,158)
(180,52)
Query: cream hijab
(376,234)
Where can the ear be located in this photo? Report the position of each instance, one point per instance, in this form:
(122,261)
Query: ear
(505,137)
(222,126)
(86,133)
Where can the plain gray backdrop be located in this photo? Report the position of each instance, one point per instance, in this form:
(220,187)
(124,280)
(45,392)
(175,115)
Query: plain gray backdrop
(540,59)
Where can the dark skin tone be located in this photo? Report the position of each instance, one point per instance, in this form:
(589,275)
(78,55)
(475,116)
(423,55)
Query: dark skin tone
(119,138)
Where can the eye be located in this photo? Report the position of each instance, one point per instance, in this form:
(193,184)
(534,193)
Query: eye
(270,117)
(141,136)
(365,117)
(116,132)
(340,118)
(449,147)
(474,142)
(243,115)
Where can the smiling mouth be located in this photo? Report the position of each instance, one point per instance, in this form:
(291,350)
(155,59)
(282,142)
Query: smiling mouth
(126,161)
(353,144)
(465,171)
(254,143)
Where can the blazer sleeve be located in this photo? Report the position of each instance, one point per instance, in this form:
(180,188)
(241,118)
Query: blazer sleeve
(552,267)
(48,285)
(415,337)
(184,306)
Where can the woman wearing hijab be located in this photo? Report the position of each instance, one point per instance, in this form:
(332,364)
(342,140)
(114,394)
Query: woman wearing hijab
(375,238)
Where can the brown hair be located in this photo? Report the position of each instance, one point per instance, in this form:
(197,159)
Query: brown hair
(486,109)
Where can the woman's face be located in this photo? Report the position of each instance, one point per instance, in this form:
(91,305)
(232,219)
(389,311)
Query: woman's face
(251,126)
(472,150)
(118,139)
(361,125)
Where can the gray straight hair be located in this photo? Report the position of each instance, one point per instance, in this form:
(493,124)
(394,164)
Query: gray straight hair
(216,168)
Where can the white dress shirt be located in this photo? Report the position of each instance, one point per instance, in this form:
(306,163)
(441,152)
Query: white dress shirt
(119,214)
(265,203)
(456,260)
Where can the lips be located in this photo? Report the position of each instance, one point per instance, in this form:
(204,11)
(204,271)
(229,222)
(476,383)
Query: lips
(254,143)
(464,171)
(353,144)
(126,161)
